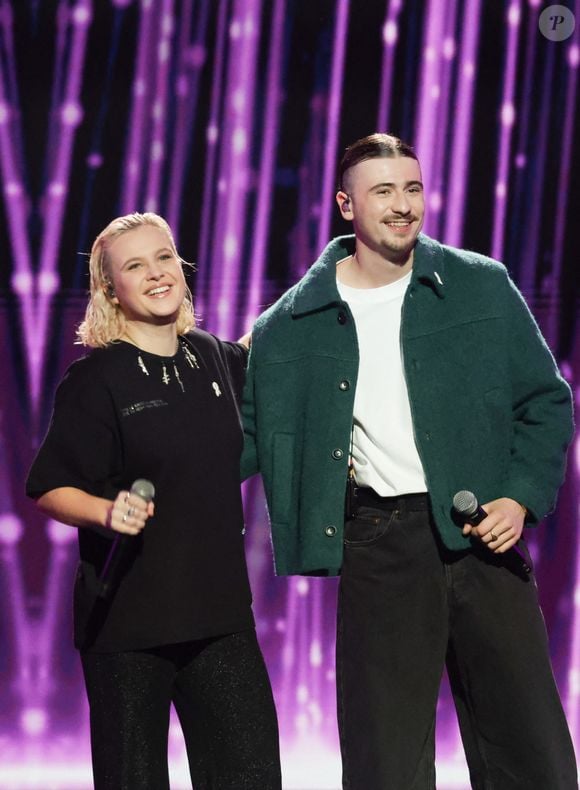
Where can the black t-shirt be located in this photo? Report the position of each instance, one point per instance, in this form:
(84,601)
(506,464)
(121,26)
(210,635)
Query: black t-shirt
(122,414)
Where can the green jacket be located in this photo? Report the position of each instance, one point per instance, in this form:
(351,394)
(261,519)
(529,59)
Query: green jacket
(490,411)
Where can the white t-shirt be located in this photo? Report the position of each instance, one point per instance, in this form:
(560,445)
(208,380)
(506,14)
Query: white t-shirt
(384,453)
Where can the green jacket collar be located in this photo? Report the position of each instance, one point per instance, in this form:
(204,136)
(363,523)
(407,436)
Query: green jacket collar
(317,289)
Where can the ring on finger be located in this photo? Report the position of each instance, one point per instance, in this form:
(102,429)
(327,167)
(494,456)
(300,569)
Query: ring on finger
(125,517)
(493,537)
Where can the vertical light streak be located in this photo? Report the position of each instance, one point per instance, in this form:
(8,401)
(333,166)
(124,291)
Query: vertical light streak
(521,203)
(138,121)
(9,69)
(562,218)
(535,193)
(56,190)
(507,118)
(573,697)
(426,124)
(192,60)
(231,209)
(159,110)
(437,182)
(315,652)
(95,157)
(11,529)
(527,90)
(302,677)
(62,24)
(181,92)
(460,133)
(289,655)
(210,194)
(267,163)
(309,175)
(17,204)
(62,549)
(333,122)
(390,37)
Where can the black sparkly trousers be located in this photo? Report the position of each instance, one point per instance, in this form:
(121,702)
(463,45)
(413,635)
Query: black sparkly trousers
(221,692)
(407,608)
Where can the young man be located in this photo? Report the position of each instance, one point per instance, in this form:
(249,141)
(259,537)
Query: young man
(418,370)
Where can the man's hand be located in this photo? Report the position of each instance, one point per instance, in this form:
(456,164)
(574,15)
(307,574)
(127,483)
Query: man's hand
(246,340)
(503,526)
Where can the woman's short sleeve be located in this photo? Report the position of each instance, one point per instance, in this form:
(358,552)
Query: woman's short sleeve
(81,447)
(236,358)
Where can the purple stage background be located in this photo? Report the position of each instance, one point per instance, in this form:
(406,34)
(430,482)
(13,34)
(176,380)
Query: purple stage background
(228,117)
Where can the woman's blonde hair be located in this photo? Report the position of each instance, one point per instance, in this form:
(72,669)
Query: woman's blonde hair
(104,321)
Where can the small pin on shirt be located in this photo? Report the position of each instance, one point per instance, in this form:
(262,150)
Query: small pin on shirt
(216,388)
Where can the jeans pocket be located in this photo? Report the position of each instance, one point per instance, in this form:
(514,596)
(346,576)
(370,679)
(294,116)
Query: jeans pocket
(367,527)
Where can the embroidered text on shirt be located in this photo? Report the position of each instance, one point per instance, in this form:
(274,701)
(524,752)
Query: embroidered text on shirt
(135,408)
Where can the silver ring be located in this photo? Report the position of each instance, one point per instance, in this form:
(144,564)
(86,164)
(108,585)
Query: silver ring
(125,518)
(493,537)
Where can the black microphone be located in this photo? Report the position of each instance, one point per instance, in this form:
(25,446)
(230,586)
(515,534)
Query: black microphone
(466,505)
(112,569)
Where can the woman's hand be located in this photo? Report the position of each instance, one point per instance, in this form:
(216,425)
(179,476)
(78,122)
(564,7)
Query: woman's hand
(128,514)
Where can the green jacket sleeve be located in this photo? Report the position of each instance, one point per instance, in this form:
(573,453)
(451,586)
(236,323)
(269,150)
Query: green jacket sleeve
(542,414)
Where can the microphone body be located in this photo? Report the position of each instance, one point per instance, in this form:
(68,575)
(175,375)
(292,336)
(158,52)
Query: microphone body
(466,505)
(114,564)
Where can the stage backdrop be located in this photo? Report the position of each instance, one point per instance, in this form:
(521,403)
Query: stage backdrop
(228,117)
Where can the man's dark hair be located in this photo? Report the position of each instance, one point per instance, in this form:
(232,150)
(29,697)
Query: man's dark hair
(374,146)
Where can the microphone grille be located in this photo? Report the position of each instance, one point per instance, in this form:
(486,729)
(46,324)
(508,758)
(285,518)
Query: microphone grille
(143,488)
(465,502)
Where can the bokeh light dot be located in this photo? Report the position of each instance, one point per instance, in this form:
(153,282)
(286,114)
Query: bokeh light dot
(81,15)
(10,529)
(33,721)
(390,32)
(71,114)
(514,15)
(48,282)
(13,189)
(22,283)
(508,114)
(60,534)
(449,48)
(240,141)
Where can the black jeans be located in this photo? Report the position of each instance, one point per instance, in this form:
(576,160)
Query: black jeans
(222,696)
(407,608)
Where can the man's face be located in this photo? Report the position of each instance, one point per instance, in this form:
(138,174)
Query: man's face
(384,199)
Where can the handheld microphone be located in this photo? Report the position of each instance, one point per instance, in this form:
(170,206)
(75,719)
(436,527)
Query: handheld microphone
(466,505)
(113,567)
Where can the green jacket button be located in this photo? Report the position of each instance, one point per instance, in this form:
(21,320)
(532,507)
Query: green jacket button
(337,454)
(344,385)
(330,531)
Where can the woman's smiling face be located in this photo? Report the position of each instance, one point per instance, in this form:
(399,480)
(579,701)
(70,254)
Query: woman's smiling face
(146,275)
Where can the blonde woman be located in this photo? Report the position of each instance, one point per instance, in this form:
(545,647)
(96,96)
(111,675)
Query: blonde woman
(156,399)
